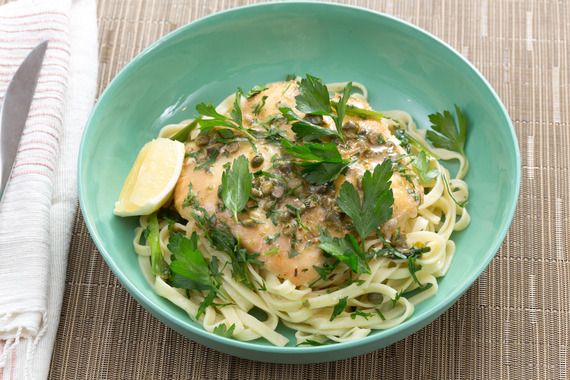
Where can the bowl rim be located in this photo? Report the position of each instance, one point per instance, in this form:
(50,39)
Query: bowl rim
(407,327)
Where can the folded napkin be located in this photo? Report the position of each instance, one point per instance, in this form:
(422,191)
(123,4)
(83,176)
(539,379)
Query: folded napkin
(36,212)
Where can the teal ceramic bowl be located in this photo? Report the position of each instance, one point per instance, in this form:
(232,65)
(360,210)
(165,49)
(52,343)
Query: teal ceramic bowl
(403,67)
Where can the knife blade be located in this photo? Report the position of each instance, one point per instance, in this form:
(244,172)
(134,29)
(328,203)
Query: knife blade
(15,109)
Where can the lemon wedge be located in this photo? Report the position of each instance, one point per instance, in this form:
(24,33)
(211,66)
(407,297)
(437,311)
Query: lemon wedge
(152,178)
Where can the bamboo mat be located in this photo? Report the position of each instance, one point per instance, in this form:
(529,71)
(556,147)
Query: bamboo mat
(513,323)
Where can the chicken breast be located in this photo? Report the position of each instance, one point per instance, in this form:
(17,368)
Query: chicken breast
(285,214)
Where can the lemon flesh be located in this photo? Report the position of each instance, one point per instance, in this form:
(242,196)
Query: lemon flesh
(152,178)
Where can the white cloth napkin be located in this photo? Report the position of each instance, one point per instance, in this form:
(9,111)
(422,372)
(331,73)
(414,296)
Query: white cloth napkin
(36,213)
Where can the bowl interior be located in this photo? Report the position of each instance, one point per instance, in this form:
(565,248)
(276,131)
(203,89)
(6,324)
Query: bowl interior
(403,68)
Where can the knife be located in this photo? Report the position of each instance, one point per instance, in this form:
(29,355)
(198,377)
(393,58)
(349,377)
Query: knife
(15,109)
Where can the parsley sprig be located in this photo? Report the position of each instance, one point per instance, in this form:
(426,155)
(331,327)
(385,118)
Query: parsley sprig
(221,238)
(190,270)
(235,189)
(314,99)
(446,133)
(345,250)
(376,206)
(210,118)
(321,162)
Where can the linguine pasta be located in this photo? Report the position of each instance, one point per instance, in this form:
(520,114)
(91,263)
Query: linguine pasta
(344,305)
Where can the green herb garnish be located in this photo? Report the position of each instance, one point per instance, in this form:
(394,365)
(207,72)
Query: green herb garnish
(321,163)
(446,133)
(363,314)
(376,206)
(222,330)
(215,119)
(345,250)
(259,106)
(339,308)
(182,135)
(304,129)
(255,90)
(314,100)
(417,290)
(236,185)
(157,263)
(421,166)
(189,268)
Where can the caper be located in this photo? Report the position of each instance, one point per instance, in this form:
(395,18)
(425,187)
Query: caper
(315,119)
(248,222)
(267,187)
(375,297)
(350,126)
(233,147)
(202,140)
(372,138)
(294,183)
(278,192)
(257,160)
(289,229)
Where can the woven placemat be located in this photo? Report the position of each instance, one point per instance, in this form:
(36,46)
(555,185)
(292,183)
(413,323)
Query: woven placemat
(512,323)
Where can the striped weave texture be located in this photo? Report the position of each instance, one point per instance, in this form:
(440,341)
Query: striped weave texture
(513,323)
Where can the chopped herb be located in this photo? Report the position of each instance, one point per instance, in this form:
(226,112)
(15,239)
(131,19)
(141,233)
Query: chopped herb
(392,252)
(339,308)
(182,135)
(314,97)
(321,163)
(212,157)
(361,112)
(363,314)
(270,239)
(216,119)
(304,129)
(255,90)
(290,77)
(259,106)
(396,298)
(190,197)
(417,291)
(169,215)
(292,253)
(236,185)
(314,100)
(157,263)
(222,330)
(189,268)
(413,268)
(297,212)
(220,236)
(376,207)
(380,314)
(271,252)
(446,183)
(345,250)
(208,301)
(341,109)
(324,272)
(421,165)
(446,133)
(273,214)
